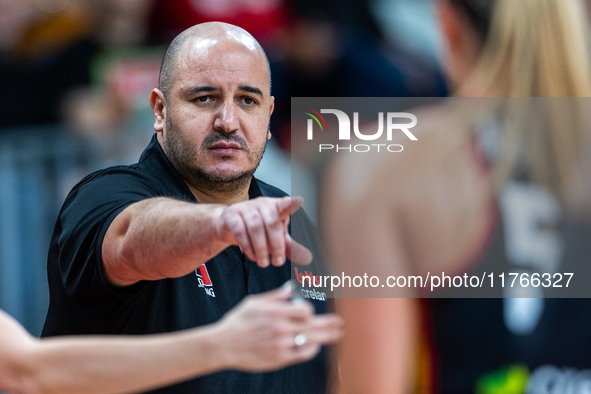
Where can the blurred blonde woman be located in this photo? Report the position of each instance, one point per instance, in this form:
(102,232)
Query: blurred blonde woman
(449,202)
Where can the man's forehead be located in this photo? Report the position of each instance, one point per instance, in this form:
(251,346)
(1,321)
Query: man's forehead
(223,59)
(211,33)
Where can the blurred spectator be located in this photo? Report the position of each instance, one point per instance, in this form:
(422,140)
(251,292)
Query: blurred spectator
(261,18)
(41,57)
(59,60)
(343,53)
(122,72)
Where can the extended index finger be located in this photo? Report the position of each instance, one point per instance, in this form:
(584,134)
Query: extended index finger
(288,205)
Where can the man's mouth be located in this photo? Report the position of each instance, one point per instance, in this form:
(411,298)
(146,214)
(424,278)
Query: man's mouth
(225,147)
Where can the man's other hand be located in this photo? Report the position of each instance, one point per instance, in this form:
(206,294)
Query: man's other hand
(260,333)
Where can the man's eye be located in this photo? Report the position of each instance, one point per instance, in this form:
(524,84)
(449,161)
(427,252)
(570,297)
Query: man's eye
(204,99)
(248,101)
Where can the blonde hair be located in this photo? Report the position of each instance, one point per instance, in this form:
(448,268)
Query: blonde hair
(537,48)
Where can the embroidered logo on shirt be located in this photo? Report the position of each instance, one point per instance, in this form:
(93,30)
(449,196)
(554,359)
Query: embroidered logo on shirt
(204,280)
(307,278)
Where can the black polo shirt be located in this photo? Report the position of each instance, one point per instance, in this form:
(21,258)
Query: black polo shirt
(82,301)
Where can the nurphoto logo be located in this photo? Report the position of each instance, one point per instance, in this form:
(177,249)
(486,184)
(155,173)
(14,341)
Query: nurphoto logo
(393,124)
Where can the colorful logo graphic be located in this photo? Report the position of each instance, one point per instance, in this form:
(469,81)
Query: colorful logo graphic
(204,275)
(316,119)
(204,280)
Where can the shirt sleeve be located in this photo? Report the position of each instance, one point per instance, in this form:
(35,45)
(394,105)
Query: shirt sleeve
(84,219)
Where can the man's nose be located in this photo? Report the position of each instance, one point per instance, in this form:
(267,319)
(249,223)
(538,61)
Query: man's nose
(226,119)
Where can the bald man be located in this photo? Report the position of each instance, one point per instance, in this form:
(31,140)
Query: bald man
(180,238)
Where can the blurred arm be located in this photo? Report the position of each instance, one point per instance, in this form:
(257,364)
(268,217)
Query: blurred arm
(256,336)
(376,354)
(364,230)
(100,364)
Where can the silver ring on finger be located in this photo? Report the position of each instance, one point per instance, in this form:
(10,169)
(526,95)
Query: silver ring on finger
(300,340)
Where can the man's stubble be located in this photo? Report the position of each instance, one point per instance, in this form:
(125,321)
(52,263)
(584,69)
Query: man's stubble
(183,156)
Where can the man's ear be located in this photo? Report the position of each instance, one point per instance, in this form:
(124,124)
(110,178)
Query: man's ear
(449,20)
(158,104)
(272,106)
(271,109)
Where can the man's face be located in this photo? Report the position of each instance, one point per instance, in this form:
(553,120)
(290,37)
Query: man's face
(217,113)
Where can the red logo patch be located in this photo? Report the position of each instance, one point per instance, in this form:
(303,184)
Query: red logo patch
(204,275)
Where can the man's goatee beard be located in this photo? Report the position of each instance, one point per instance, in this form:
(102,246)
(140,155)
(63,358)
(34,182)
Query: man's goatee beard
(201,180)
